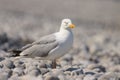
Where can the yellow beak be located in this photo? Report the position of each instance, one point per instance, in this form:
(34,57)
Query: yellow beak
(72,26)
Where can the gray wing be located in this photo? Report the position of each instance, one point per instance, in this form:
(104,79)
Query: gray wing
(43,40)
(40,48)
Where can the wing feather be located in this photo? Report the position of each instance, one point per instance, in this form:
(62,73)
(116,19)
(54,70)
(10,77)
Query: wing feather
(40,48)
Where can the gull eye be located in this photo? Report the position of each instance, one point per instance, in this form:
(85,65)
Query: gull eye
(66,23)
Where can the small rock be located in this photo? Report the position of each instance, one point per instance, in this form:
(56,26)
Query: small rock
(35,72)
(30,77)
(29,69)
(52,78)
(101,38)
(18,71)
(109,76)
(62,77)
(8,63)
(44,71)
(42,65)
(95,66)
(1,65)
(94,48)
(115,68)
(19,64)
(77,72)
(5,73)
(54,73)
(90,73)
(3,54)
(98,75)
(1,58)
(4,76)
(68,57)
(90,77)
(80,77)
(67,73)
(71,69)
(14,77)
(63,63)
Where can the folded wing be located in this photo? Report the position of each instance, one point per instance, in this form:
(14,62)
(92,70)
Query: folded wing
(40,48)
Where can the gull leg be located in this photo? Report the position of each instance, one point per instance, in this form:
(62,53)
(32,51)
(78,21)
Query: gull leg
(54,64)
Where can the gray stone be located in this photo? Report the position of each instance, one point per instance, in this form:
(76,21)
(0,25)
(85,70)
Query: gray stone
(1,65)
(71,69)
(14,77)
(77,72)
(98,68)
(90,73)
(35,72)
(67,73)
(3,54)
(5,73)
(1,58)
(44,71)
(19,64)
(18,71)
(4,76)
(8,63)
(52,78)
(68,57)
(62,77)
(30,68)
(90,77)
(109,76)
(30,77)
(115,68)
(42,65)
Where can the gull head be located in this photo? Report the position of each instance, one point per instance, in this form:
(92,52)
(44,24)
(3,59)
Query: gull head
(67,23)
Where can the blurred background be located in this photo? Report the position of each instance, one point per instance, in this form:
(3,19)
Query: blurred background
(31,19)
(46,15)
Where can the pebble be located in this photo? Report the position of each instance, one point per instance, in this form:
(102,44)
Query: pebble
(5,74)
(42,65)
(115,68)
(18,71)
(1,65)
(14,77)
(1,59)
(30,77)
(77,72)
(3,54)
(90,73)
(109,76)
(32,70)
(8,63)
(35,72)
(19,64)
(52,78)
(89,77)
(97,67)
(44,71)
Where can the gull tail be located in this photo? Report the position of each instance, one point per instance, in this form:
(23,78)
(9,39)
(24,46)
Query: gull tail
(15,52)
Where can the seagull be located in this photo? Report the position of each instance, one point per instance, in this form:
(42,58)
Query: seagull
(50,47)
